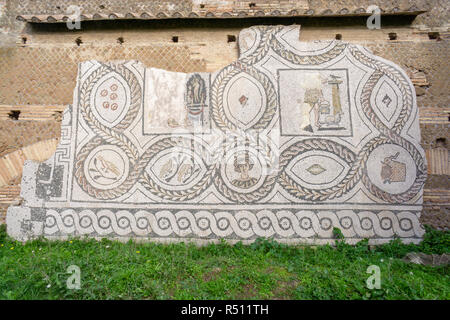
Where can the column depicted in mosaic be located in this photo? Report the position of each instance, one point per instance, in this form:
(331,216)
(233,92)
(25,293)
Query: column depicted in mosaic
(289,142)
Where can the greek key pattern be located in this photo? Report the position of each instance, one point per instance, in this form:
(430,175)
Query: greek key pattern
(243,224)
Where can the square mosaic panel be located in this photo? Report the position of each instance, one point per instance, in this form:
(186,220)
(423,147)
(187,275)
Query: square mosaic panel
(288,142)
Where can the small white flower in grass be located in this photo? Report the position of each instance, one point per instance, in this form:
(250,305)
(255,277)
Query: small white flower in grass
(410,273)
(107,247)
(49,285)
(381,260)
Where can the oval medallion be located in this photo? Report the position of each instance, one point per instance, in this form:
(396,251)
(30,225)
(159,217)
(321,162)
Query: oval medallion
(245,100)
(317,169)
(111,98)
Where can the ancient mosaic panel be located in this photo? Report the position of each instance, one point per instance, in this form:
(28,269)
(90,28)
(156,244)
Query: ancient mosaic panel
(288,142)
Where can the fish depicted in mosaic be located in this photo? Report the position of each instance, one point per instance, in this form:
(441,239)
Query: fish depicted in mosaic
(181,167)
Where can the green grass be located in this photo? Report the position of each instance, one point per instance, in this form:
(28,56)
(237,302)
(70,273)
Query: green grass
(263,270)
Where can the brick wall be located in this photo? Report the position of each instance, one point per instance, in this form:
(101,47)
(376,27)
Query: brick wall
(38,66)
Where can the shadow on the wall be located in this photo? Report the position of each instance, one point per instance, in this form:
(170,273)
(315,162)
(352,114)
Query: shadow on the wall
(233,23)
